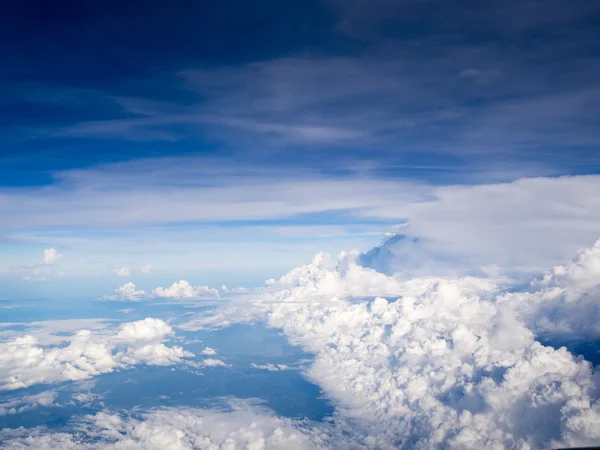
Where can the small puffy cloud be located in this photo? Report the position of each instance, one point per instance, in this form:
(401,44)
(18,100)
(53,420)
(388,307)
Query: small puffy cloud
(24,361)
(209,351)
(147,330)
(122,272)
(183,289)
(224,288)
(208,362)
(51,256)
(128,292)
(146,268)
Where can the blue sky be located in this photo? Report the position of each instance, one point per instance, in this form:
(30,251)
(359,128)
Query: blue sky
(228,142)
(323,224)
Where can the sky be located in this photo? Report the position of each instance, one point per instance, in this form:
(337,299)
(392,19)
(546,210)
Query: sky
(328,224)
(231,141)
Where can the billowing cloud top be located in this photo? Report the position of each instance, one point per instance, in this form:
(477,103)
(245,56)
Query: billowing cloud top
(453,362)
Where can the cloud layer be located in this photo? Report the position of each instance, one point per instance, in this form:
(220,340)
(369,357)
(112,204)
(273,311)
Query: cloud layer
(517,227)
(443,361)
(178,290)
(174,429)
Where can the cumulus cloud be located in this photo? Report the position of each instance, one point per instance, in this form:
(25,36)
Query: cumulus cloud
(209,351)
(565,302)
(146,269)
(452,362)
(183,289)
(122,272)
(50,256)
(24,361)
(180,289)
(181,428)
(128,292)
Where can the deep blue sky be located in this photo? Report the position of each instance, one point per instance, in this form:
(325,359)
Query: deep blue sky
(122,119)
(422,83)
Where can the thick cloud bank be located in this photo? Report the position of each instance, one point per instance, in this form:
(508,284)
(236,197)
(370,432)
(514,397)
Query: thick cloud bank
(453,362)
(173,429)
(24,361)
(420,363)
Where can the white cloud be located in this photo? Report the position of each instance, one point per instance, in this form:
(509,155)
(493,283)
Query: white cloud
(146,269)
(147,330)
(521,226)
(211,362)
(86,398)
(180,289)
(454,362)
(182,428)
(128,292)
(567,302)
(24,361)
(19,404)
(122,272)
(271,367)
(209,351)
(183,289)
(51,256)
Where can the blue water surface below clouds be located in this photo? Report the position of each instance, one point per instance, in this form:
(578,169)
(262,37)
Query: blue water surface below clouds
(287,392)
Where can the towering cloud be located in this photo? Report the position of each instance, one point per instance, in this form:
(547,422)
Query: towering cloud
(452,361)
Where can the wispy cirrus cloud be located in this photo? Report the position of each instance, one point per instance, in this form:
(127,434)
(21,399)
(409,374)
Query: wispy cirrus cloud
(167,205)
